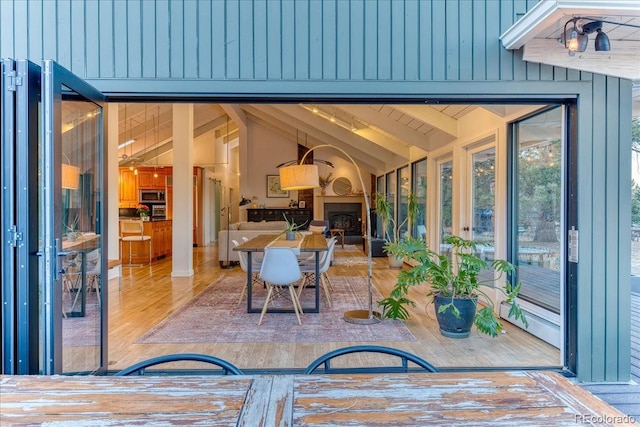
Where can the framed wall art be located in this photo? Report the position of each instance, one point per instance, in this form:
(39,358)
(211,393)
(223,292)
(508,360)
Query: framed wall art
(273,187)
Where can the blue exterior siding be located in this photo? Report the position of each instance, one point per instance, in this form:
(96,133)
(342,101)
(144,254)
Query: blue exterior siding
(300,40)
(370,49)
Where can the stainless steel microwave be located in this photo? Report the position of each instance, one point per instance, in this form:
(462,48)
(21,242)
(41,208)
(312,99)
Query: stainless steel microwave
(151,196)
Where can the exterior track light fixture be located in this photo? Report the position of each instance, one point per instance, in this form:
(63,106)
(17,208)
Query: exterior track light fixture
(576,38)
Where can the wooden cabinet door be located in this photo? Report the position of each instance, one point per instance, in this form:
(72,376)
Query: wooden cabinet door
(145,179)
(168,237)
(169,201)
(128,188)
(158,180)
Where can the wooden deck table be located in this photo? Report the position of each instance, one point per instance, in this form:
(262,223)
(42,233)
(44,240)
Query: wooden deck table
(311,243)
(523,398)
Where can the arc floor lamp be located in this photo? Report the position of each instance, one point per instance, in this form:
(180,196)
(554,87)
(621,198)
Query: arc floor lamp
(305,176)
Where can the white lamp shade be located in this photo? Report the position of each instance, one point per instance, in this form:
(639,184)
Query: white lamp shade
(299,177)
(70,177)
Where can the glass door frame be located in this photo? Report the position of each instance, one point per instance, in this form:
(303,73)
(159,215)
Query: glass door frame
(568,218)
(20,101)
(54,78)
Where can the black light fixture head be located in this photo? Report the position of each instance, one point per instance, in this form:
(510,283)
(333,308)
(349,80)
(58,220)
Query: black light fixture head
(602,42)
(244,201)
(576,39)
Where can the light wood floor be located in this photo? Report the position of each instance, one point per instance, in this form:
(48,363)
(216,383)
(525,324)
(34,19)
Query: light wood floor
(148,294)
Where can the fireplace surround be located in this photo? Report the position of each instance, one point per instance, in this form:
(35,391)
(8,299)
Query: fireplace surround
(346,216)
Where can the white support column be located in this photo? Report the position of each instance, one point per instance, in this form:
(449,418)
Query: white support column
(112,174)
(182,251)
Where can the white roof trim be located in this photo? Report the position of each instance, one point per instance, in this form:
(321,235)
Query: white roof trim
(548,12)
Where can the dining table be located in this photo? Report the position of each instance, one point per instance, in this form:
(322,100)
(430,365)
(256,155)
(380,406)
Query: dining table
(488,398)
(310,243)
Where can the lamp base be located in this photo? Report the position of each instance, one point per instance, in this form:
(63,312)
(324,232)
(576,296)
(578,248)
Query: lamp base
(362,317)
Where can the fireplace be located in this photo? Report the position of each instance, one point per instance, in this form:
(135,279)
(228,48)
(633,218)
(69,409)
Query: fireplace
(347,216)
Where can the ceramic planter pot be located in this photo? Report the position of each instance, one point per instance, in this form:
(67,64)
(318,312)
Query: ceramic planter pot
(452,326)
(395,262)
(290,235)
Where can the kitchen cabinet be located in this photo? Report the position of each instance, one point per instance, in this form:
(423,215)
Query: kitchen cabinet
(151,179)
(161,232)
(127,189)
(161,243)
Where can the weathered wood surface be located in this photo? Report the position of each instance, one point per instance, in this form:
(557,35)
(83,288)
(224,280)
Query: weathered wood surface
(462,398)
(87,400)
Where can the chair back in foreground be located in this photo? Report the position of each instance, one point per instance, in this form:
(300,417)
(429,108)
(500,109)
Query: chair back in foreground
(140,368)
(404,356)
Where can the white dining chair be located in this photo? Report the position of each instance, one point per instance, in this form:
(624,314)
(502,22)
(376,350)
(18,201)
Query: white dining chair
(255,269)
(133,231)
(93,272)
(280,270)
(308,270)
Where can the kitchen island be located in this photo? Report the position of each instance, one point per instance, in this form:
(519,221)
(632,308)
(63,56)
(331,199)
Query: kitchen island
(160,230)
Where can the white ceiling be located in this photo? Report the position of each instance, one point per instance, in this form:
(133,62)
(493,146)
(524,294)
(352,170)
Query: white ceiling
(377,135)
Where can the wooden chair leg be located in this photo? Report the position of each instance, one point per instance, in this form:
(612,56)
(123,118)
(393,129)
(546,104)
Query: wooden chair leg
(296,303)
(325,288)
(266,303)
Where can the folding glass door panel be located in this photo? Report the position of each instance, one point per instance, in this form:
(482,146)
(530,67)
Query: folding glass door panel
(72,195)
(419,188)
(403,201)
(537,245)
(21,301)
(445,200)
(483,178)
(482,204)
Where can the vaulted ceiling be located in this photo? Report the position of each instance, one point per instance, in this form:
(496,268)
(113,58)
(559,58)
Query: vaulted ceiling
(377,135)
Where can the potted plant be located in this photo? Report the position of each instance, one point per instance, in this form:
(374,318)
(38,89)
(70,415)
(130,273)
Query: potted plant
(291,230)
(143,211)
(456,288)
(324,181)
(391,229)
(72,229)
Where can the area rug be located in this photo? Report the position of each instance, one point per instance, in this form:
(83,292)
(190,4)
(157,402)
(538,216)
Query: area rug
(81,331)
(349,260)
(213,316)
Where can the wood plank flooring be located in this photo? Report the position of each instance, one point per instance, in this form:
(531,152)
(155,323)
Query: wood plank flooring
(148,294)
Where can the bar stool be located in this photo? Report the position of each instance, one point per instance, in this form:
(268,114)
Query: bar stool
(133,231)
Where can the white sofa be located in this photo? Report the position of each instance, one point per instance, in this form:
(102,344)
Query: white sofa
(239,230)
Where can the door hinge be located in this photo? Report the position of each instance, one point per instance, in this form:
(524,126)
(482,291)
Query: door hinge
(14,236)
(13,80)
